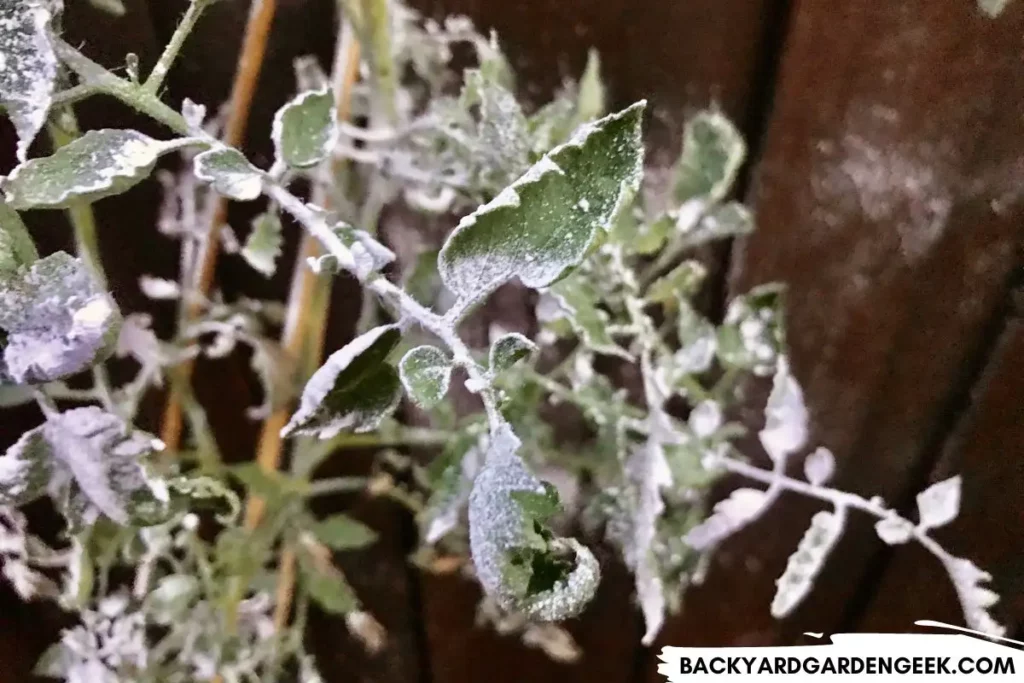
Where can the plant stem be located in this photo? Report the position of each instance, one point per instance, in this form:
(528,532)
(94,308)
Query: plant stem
(83,222)
(170,53)
(250,62)
(327,487)
(102,81)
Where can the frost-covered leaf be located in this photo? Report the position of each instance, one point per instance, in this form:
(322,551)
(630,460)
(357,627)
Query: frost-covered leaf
(992,8)
(28,66)
(939,504)
(519,562)
(229,172)
(509,349)
(975,599)
(426,372)
(368,254)
(729,516)
(751,336)
(451,478)
(819,466)
(25,469)
(16,245)
(649,473)
(713,151)
(697,340)
(683,281)
(578,299)
(159,289)
(729,220)
(325,583)
(305,130)
(263,246)
(502,127)
(106,459)
(56,319)
(353,390)
(341,532)
(785,416)
(591,99)
(98,164)
(171,597)
(705,419)
(544,224)
(805,564)
(894,530)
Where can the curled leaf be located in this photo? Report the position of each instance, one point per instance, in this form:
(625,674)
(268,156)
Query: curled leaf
(519,562)
(509,349)
(805,564)
(545,222)
(98,164)
(426,372)
(354,389)
(28,67)
(57,321)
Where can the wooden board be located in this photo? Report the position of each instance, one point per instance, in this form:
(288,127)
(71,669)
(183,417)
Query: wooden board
(888,200)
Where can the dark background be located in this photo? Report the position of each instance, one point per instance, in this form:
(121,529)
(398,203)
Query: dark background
(887,160)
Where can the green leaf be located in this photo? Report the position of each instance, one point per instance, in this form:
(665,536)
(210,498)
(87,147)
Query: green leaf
(451,476)
(752,334)
(577,298)
(591,100)
(713,151)
(263,246)
(229,172)
(29,67)
(341,532)
(16,245)
(105,458)
(682,281)
(545,223)
(502,128)
(729,220)
(99,164)
(519,562)
(426,372)
(509,349)
(171,597)
(354,389)
(56,319)
(542,505)
(305,130)
(25,469)
(422,281)
(326,584)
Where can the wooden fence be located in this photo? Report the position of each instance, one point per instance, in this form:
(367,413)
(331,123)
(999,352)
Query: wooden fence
(887,174)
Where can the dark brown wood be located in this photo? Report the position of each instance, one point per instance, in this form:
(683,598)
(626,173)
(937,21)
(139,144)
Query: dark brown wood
(986,452)
(888,200)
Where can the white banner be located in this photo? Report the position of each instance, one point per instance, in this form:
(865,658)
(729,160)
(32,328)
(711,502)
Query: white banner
(853,657)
